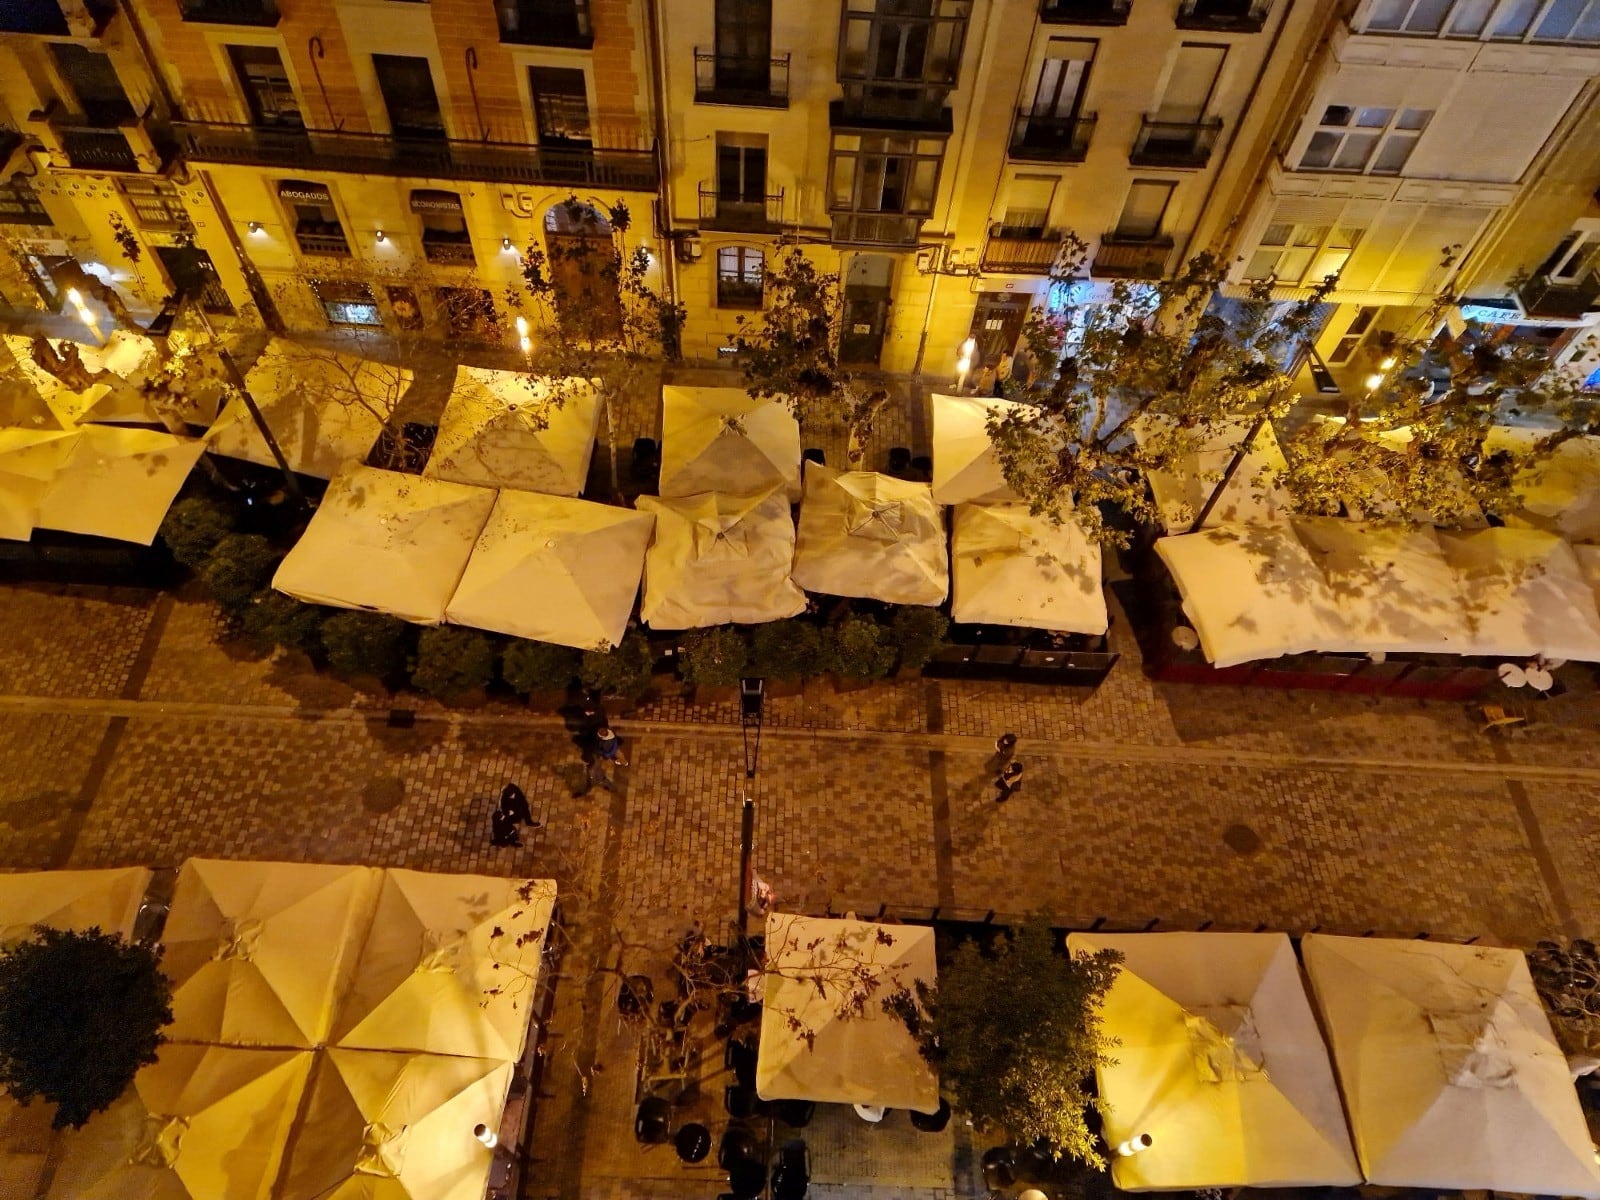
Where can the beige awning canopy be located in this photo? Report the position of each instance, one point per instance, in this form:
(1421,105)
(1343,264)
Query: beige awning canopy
(450,967)
(554,569)
(259,952)
(1450,1072)
(1254,494)
(117,483)
(29,460)
(507,429)
(811,1049)
(720,439)
(1524,594)
(965,468)
(325,408)
(871,535)
(78,900)
(1218,1059)
(718,559)
(1560,489)
(23,408)
(387,541)
(1009,567)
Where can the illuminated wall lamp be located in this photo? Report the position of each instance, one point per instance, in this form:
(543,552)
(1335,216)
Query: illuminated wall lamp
(382,237)
(254,227)
(505,245)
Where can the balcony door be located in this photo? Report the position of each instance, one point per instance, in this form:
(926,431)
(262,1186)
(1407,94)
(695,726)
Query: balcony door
(741,168)
(266,87)
(94,83)
(406,83)
(744,44)
(560,107)
(1189,87)
(1063,80)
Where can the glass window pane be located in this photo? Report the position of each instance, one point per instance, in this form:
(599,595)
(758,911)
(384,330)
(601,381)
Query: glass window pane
(1277,235)
(1309,235)
(1263,263)
(1319,153)
(923,179)
(1330,262)
(1559,20)
(1428,16)
(1393,155)
(1470,17)
(1414,118)
(1514,18)
(1387,14)
(1373,118)
(1336,114)
(1588,29)
(846,141)
(1293,264)
(1355,152)
(844,180)
(1143,210)
(1345,237)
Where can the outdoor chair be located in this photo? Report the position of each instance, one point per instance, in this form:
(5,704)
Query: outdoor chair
(739,1101)
(922,469)
(791,1175)
(652,1125)
(740,1058)
(635,995)
(899,461)
(693,1143)
(814,454)
(998,1172)
(738,1146)
(933,1122)
(747,1179)
(796,1114)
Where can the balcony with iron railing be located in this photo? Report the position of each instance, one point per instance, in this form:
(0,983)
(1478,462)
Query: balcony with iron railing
(105,144)
(561,23)
(1019,250)
(322,237)
(1174,143)
(748,82)
(875,229)
(1559,299)
(428,158)
(230,12)
(1084,12)
(1223,16)
(735,214)
(1124,257)
(448,249)
(1045,138)
(50,18)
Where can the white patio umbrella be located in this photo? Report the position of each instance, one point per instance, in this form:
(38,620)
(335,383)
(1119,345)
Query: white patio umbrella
(386,541)
(722,439)
(865,534)
(450,967)
(1009,567)
(965,469)
(718,559)
(1559,490)
(67,405)
(1217,1058)
(506,429)
(1198,462)
(118,483)
(1524,594)
(325,409)
(23,408)
(201,1123)
(259,952)
(29,461)
(812,1048)
(554,569)
(393,1126)
(107,899)
(1450,1072)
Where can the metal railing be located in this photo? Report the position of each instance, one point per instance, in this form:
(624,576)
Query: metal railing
(740,216)
(322,243)
(1044,138)
(1542,296)
(379,154)
(1174,143)
(91,149)
(1122,257)
(875,229)
(751,82)
(448,251)
(1021,252)
(1223,16)
(1084,12)
(563,23)
(230,12)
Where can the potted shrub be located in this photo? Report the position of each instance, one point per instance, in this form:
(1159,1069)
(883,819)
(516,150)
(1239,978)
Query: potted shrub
(273,619)
(916,633)
(192,528)
(541,672)
(712,661)
(365,644)
(624,672)
(453,663)
(785,654)
(240,565)
(856,652)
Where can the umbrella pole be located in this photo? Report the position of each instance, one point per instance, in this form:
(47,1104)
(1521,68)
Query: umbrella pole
(290,485)
(752,695)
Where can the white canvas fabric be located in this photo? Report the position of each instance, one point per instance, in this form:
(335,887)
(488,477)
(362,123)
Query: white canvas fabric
(868,1058)
(1219,1060)
(22,408)
(325,409)
(1450,1072)
(75,900)
(1252,592)
(386,1126)
(725,440)
(965,469)
(1525,594)
(870,535)
(69,406)
(554,569)
(387,541)
(201,1123)
(29,460)
(260,952)
(450,967)
(1009,567)
(718,559)
(1371,498)
(1560,490)
(1251,497)
(117,483)
(505,429)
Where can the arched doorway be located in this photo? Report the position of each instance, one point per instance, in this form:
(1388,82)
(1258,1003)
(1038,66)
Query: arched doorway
(584,265)
(867,284)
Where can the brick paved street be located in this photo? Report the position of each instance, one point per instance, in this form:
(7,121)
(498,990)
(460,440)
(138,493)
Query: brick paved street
(130,732)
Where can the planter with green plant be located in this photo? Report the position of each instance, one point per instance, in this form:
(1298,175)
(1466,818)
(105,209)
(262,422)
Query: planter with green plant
(369,644)
(856,652)
(273,619)
(239,565)
(192,528)
(785,653)
(453,663)
(916,633)
(540,671)
(712,661)
(624,672)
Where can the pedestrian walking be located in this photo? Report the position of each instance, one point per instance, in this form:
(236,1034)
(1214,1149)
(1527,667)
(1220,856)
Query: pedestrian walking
(607,754)
(515,805)
(1005,747)
(1002,374)
(503,830)
(1007,782)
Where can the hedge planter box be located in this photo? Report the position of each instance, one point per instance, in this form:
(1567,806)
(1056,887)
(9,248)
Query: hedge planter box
(785,688)
(708,694)
(851,683)
(547,701)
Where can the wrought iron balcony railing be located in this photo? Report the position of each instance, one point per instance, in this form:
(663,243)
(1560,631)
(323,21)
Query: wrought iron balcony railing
(230,12)
(763,215)
(1045,138)
(448,251)
(1542,296)
(322,241)
(1084,12)
(1174,143)
(875,229)
(563,23)
(750,82)
(1013,251)
(1223,16)
(1123,257)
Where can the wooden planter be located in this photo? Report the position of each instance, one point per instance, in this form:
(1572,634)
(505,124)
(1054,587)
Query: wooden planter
(705,694)
(547,700)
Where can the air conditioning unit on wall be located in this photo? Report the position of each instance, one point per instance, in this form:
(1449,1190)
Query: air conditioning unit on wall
(687,247)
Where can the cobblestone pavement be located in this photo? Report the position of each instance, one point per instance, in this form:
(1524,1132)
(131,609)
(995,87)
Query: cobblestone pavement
(131,731)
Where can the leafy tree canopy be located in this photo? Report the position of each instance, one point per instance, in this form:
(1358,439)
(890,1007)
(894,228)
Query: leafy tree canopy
(80,1013)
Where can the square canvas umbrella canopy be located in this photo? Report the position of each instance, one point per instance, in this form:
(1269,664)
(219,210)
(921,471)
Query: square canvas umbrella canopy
(554,569)
(78,900)
(1560,489)
(29,460)
(965,468)
(389,542)
(325,409)
(1373,496)
(390,1126)
(1009,567)
(725,440)
(260,952)
(23,408)
(810,1048)
(67,405)
(1218,1059)
(871,535)
(118,483)
(1450,1072)
(1200,459)
(718,559)
(450,967)
(507,429)
(1524,594)
(200,1123)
